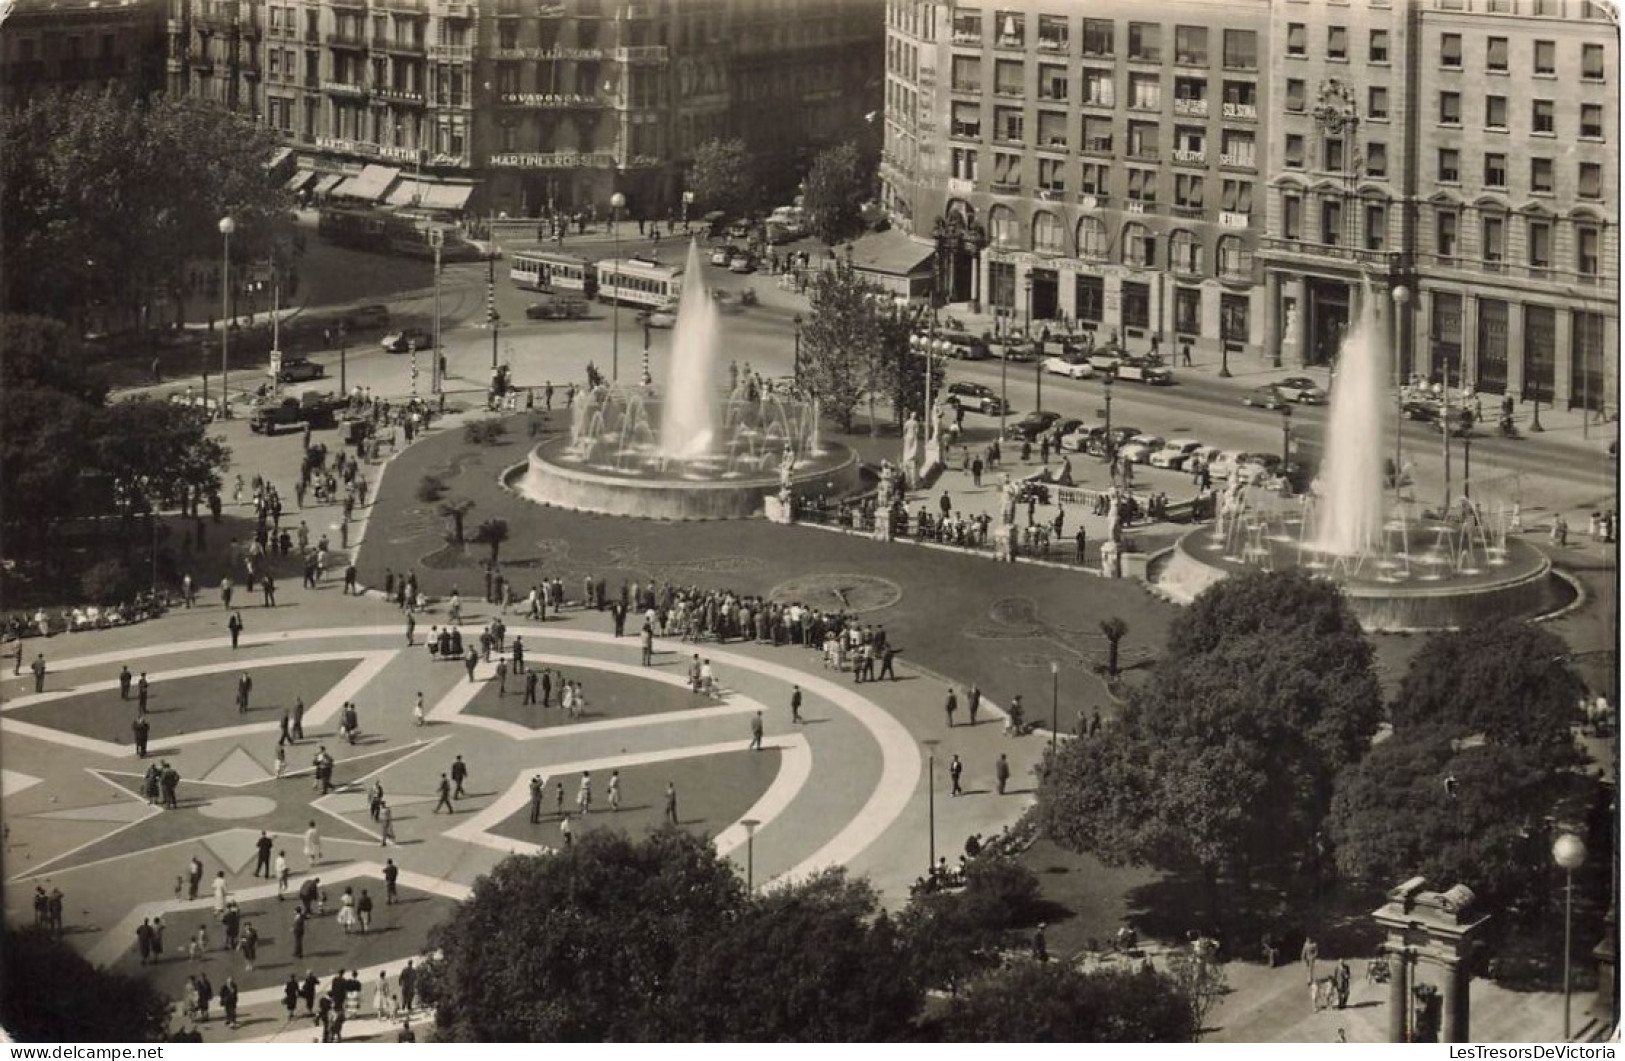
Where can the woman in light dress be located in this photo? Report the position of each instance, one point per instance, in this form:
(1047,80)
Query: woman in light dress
(346,916)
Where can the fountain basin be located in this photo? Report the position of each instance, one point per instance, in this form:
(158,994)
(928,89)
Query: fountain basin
(1416,591)
(640,485)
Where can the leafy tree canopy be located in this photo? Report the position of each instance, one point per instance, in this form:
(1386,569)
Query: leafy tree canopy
(841,342)
(1054,1002)
(837,185)
(722,177)
(53,993)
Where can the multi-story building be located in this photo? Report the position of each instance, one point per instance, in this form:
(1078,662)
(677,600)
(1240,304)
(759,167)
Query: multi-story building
(1137,168)
(1433,150)
(1100,165)
(48,45)
(533,105)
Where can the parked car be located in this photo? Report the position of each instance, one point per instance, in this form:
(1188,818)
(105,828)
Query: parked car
(1014,350)
(298,370)
(662,316)
(365,317)
(1071,366)
(1031,426)
(1077,440)
(1138,450)
(1301,389)
(742,263)
(1265,397)
(1175,453)
(962,346)
(1222,465)
(312,407)
(404,339)
(557,309)
(977,396)
(1106,360)
(1144,370)
(723,253)
(1424,409)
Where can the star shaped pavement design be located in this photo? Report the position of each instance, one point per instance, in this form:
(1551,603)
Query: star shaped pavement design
(224,810)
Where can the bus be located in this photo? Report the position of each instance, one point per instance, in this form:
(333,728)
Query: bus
(566,274)
(382,232)
(638,282)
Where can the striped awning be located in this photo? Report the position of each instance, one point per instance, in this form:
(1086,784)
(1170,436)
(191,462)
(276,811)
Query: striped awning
(370,184)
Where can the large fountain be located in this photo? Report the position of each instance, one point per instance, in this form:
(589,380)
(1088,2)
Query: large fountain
(700,447)
(1401,568)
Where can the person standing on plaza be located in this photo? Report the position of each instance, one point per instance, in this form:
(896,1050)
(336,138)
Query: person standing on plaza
(584,794)
(795,704)
(234,624)
(125,680)
(281,875)
(392,876)
(1309,956)
(386,823)
(313,845)
(262,855)
(614,790)
(531,681)
(245,686)
(299,931)
(38,668)
(141,729)
(459,774)
(250,946)
(519,655)
(502,677)
(363,911)
(290,996)
(955,770)
(298,718)
(756,732)
(646,643)
(1001,772)
(417,710)
(194,878)
(536,799)
(671,803)
(951,706)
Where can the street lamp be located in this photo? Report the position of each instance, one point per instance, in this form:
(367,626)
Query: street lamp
(750,825)
(1401,295)
(344,347)
(1054,707)
(1286,436)
(1107,380)
(1569,852)
(616,203)
(796,324)
(227,227)
(931,802)
(1534,423)
(688,201)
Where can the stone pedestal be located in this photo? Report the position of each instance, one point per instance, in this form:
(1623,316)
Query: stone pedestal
(778,511)
(1436,929)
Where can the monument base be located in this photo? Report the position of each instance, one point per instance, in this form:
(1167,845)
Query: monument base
(777,510)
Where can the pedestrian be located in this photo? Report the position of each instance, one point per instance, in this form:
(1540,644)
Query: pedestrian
(143,939)
(459,774)
(299,931)
(955,770)
(973,701)
(951,706)
(141,729)
(417,710)
(584,794)
(363,911)
(411,625)
(1001,772)
(262,855)
(281,875)
(1040,944)
(614,790)
(795,704)
(290,995)
(444,791)
(194,878)
(250,946)
(313,844)
(671,803)
(392,875)
(235,623)
(1341,979)
(1309,955)
(756,732)
(386,823)
(409,984)
(38,667)
(298,718)
(125,679)
(566,832)
(502,677)
(646,642)
(536,799)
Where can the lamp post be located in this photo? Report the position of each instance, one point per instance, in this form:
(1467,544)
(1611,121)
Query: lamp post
(1224,358)
(1534,423)
(1004,386)
(1401,295)
(616,203)
(931,803)
(1569,852)
(688,201)
(1107,381)
(648,377)
(795,322)
(750,825)
(344,346)
(437,240)
(227,227)
(492,317)
(1054,707)
(1286,436)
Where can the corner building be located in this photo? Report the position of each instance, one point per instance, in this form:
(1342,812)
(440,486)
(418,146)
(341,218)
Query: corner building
(66,45)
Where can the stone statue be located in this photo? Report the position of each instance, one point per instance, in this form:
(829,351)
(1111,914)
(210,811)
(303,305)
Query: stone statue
(911,442)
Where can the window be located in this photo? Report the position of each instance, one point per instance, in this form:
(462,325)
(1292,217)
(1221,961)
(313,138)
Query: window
(967,74)
(1495,54)
(1379,46)
(1591,120)
(1049,235)
(1450,51)
(1294,151)
(1190,95)
(1493,238)
(1009,77)
(1142,185)
(1591,62)
(1097,134)
(1091,292)
(1377,104)
(1331,154)
(1092,242)
(1450,108)
(1445,222)
(1235,260)
(1233,316)
(273,64)
(1188,191)
(1291,217)
(1376,159)
(1331,221)
(1376,226)
(1337,42)
(1542,116)
(1590,185)
(1495,112)
(1184,253)
(1449,165)
(1145,42)
(1006,170)
(1052,82)
(1540,244)
(964,164)
(1495,171)
(1545,57)
(1540,176)
(1190,45)
(1297,40)
(1098,88)
(967,120)
(1236,197)
(1136,304)
(967,27)
(1094,178)
(1053,35)
(1237,149)
(1294,95)
(1143,140)
(1008,124)
(1188,308)
(1003,227)
(1190,143)
(1010,29)
(1139,248)
(1097,36)
(1145,92)
(1240,49)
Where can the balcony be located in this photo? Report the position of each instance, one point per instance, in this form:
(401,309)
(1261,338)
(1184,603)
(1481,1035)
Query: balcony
(1053,44)
(1010,43)
(401,47)
(1247,111)
(960,186)
(1153,104)
(1196,108)
(1140,206)
(1198,59)
(398,95)
(1234,219)
(346,40)
(451,52)
(449,9)
(974,87)
(1191,213)
(968,38)
(1099,145)
(1012,91)
(1094,200)
(1194,158)
(403,7)
(1387,260)
(1006,187)
(361,4)
(966,132)
(344,88)
(1144,153)
(1237,160)
(646,53)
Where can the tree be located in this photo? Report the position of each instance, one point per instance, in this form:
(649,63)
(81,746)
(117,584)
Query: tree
(841,343)
(721,176)
(110,199)
(1028,1001)
(836,188)
(954,935)
(1114,630)
(492,532)
(54,994)
(161,453)
(456,511)
(1226,759)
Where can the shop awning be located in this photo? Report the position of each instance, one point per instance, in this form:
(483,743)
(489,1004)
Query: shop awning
(328,183)
(301,180)
(370,184)
(429,195)
(891,253)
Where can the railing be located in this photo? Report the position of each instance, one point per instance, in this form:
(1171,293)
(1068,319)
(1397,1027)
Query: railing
(1190,59)
(1015,43)
(1194,107)
(1093,201)
(1138,206)
(1241,110)
(972,39)
(1234,219)
(1239,161)
(1144,153)
(1153,104)
(1051,44)
(1006,187)
(1189,212)
(647,53)
(453,52)
(1007,90)
(393,44)
(966,86)
(1098,145)
(346,40)
(1196,157)
(344,88)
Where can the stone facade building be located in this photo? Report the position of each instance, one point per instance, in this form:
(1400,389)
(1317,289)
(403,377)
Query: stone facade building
(48,45)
